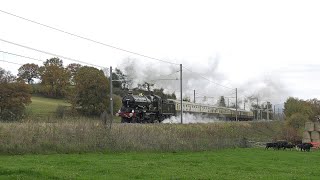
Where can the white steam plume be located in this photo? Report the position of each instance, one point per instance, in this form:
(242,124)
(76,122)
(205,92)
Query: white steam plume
(190,119)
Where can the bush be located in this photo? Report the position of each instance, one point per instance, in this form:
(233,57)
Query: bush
(13,98)
(297,120)
(289,134)
(61,111)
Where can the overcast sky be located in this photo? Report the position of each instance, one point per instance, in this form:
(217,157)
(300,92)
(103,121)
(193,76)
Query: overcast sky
(268,47)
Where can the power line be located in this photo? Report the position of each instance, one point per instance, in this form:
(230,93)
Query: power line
(11,62)
(22,56)
(207,79)
(85,38)
(169,74)
(52,54)
(163,79)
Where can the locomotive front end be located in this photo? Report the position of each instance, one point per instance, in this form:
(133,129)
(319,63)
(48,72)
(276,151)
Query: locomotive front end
(127,112)
(133,108)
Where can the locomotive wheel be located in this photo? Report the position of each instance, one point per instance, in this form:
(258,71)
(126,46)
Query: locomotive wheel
(125,120)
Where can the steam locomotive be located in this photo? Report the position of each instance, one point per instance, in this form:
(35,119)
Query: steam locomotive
(154,109)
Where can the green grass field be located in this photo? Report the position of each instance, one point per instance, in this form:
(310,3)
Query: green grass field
(44,107)
(221,164)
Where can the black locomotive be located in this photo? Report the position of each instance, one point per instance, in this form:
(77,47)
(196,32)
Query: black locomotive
(145,109)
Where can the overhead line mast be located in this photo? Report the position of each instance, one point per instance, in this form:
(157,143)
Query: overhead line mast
(181,93)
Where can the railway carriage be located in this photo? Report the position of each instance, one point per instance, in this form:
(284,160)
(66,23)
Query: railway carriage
(152,108)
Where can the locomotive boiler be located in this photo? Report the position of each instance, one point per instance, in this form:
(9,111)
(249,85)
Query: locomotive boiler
(145,109)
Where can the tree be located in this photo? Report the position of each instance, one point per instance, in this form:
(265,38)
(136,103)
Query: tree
(117,103)
(186,98)
(146,86)
(54,78)
(28,72)
(315,106)
(14,96)
(160,92)
(297,120)
(297,112)
(91,91)
(73,68)
(294,105)
(6,76)
(222,102)
(121,79)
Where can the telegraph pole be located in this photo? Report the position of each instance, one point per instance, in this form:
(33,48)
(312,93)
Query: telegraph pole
(267,110)
(257,109)
(236,104)
(274,112)
(111,100)
(181,93)
(228,102)
(194,96)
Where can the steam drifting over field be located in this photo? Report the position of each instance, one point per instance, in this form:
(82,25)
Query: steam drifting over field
(191,118)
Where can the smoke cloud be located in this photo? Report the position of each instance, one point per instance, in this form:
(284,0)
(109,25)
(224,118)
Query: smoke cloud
(167,76)
(199,77)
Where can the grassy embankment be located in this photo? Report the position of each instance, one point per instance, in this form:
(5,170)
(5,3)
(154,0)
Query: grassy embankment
(42,109)
(87,135)
(91,136)
(245,163)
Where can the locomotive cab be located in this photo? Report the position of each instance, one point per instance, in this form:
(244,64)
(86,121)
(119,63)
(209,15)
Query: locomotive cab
(156,102)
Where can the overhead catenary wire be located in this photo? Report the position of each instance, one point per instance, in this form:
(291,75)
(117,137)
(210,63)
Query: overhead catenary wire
(85,38)
(27,57)
(101,43)
(11,62)
(94,41)
(165,79)
(49,53)
(206,78)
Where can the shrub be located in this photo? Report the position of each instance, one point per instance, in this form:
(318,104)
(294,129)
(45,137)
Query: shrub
(61,111)
(13,98)
(297,120)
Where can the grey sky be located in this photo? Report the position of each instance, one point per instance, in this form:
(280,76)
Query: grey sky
(243,44)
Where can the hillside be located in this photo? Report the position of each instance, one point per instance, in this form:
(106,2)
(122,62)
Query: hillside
(42,107)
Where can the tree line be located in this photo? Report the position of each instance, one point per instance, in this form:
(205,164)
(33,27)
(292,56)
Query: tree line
(86,88)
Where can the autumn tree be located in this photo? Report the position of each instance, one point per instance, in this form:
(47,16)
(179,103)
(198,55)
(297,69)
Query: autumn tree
(28,72)
(294,105)
(117,103)
(297,112)
(186,98)
(146,86)
(14,96)
(315,106)
(91,92)
(296,120)
(160,92)
(121,80)
(54,78)
(73,68)
(6,76)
